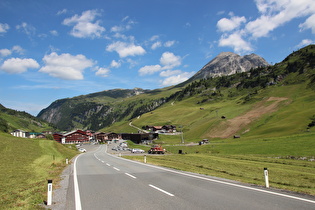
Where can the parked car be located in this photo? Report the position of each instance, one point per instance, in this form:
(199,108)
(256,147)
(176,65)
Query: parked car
(82,150)
(137,151)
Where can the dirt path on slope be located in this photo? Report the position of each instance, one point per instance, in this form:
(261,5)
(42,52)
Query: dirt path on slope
(230,127)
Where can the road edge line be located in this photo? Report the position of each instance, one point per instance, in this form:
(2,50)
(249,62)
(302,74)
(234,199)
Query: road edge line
(76,186)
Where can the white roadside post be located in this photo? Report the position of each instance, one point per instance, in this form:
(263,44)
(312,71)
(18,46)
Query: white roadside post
(67,161)
(145,159)
(49,193)
(266,177)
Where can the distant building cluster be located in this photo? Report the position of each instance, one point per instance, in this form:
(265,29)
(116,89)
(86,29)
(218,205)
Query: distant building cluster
(32,135)
(160,129)
(88,136)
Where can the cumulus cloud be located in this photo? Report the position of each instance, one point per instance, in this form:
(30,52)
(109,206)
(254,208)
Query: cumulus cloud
(103,72)
(156,45)
(18,65)
(230,24)
(125,49)
(5,52)
(273,14)
(305,42)
(4,27)
(169,43)
(309,24)
(176,79)
(151,69)
(168,73)
(235,41)
(115,64)
(66,66)
(84,25)
(169,60)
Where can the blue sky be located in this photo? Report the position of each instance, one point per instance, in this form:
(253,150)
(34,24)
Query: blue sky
(58,49)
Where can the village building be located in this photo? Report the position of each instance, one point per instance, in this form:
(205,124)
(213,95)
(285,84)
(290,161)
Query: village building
(140,138)
(160,129)
(73,137)
(105,137)
(33,135)
(19,133)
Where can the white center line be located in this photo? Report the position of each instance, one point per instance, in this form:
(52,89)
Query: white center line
(117,169)
(159,189)
(107,164)
(131,175)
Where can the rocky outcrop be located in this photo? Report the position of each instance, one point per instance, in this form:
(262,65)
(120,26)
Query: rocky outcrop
(228,63)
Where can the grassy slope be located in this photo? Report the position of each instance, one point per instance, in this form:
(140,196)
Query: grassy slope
(287,159)
(25,123)
(25,166)
(292,117)
(277,140)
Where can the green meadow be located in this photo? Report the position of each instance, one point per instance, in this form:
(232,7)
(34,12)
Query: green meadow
(25,167)
(279,139)
(290,160)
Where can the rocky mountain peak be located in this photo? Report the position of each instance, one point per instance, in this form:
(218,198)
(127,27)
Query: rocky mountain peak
(227,63)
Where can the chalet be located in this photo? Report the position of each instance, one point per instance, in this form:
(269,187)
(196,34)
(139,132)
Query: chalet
(33,135)
(169,128)
(73,137)
(160,129)
(140,138)
(104,137)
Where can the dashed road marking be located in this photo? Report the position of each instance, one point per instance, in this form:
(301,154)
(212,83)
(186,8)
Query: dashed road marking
(159,189)
(131,175)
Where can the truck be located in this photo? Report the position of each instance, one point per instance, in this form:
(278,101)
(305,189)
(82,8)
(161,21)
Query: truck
(156,149)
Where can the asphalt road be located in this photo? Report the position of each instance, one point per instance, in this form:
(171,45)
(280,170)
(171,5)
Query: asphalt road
(105,181)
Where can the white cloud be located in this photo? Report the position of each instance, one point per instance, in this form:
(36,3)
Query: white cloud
(156,45)
(309,24)
(168,73)
(276,13)
(66,66)
(115,64)
(125,49)
(84,25)
(54,32)
(103,72)
(18,65)
(235,41)
(149,69)
(230,24)
(60,12)
(5,52)
(26,28)
(18,49)
(305,42)
(169,43)
(169,60)
(173,80)
(153,38)
(4,27)
(273,14)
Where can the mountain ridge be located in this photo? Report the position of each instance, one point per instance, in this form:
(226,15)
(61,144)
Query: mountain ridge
(94,111)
